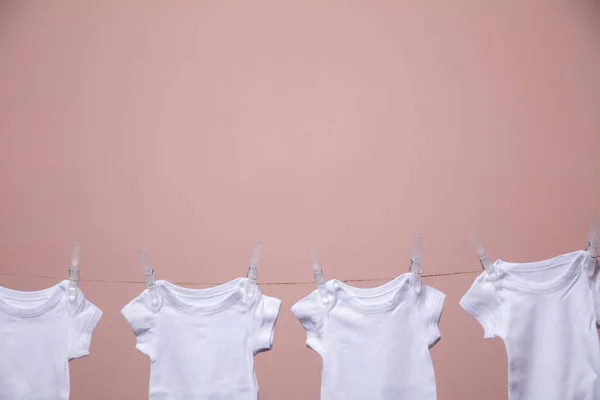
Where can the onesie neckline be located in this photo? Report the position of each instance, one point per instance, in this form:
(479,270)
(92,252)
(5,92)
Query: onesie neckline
(574,258)
(175,294)
(50,295)
(353,295)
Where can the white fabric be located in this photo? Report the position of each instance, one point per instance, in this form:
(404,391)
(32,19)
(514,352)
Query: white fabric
(546,312)
(202,342)
(39,333)
(374,342)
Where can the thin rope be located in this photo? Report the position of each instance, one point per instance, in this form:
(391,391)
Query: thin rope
(219,283)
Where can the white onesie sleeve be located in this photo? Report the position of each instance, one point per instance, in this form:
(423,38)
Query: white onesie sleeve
(141,317)
(311,315)
(595,289)
(84,317)
(431,312)
(481,302)
(264,319)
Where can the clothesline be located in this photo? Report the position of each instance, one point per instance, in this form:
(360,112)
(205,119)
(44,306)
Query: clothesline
(219,283)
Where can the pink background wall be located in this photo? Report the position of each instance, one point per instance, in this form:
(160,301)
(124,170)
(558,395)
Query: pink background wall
(197,127)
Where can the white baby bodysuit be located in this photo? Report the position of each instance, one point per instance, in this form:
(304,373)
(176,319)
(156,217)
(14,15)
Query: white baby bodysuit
(546,312)
(39,333)
(202,342)
(374,343)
